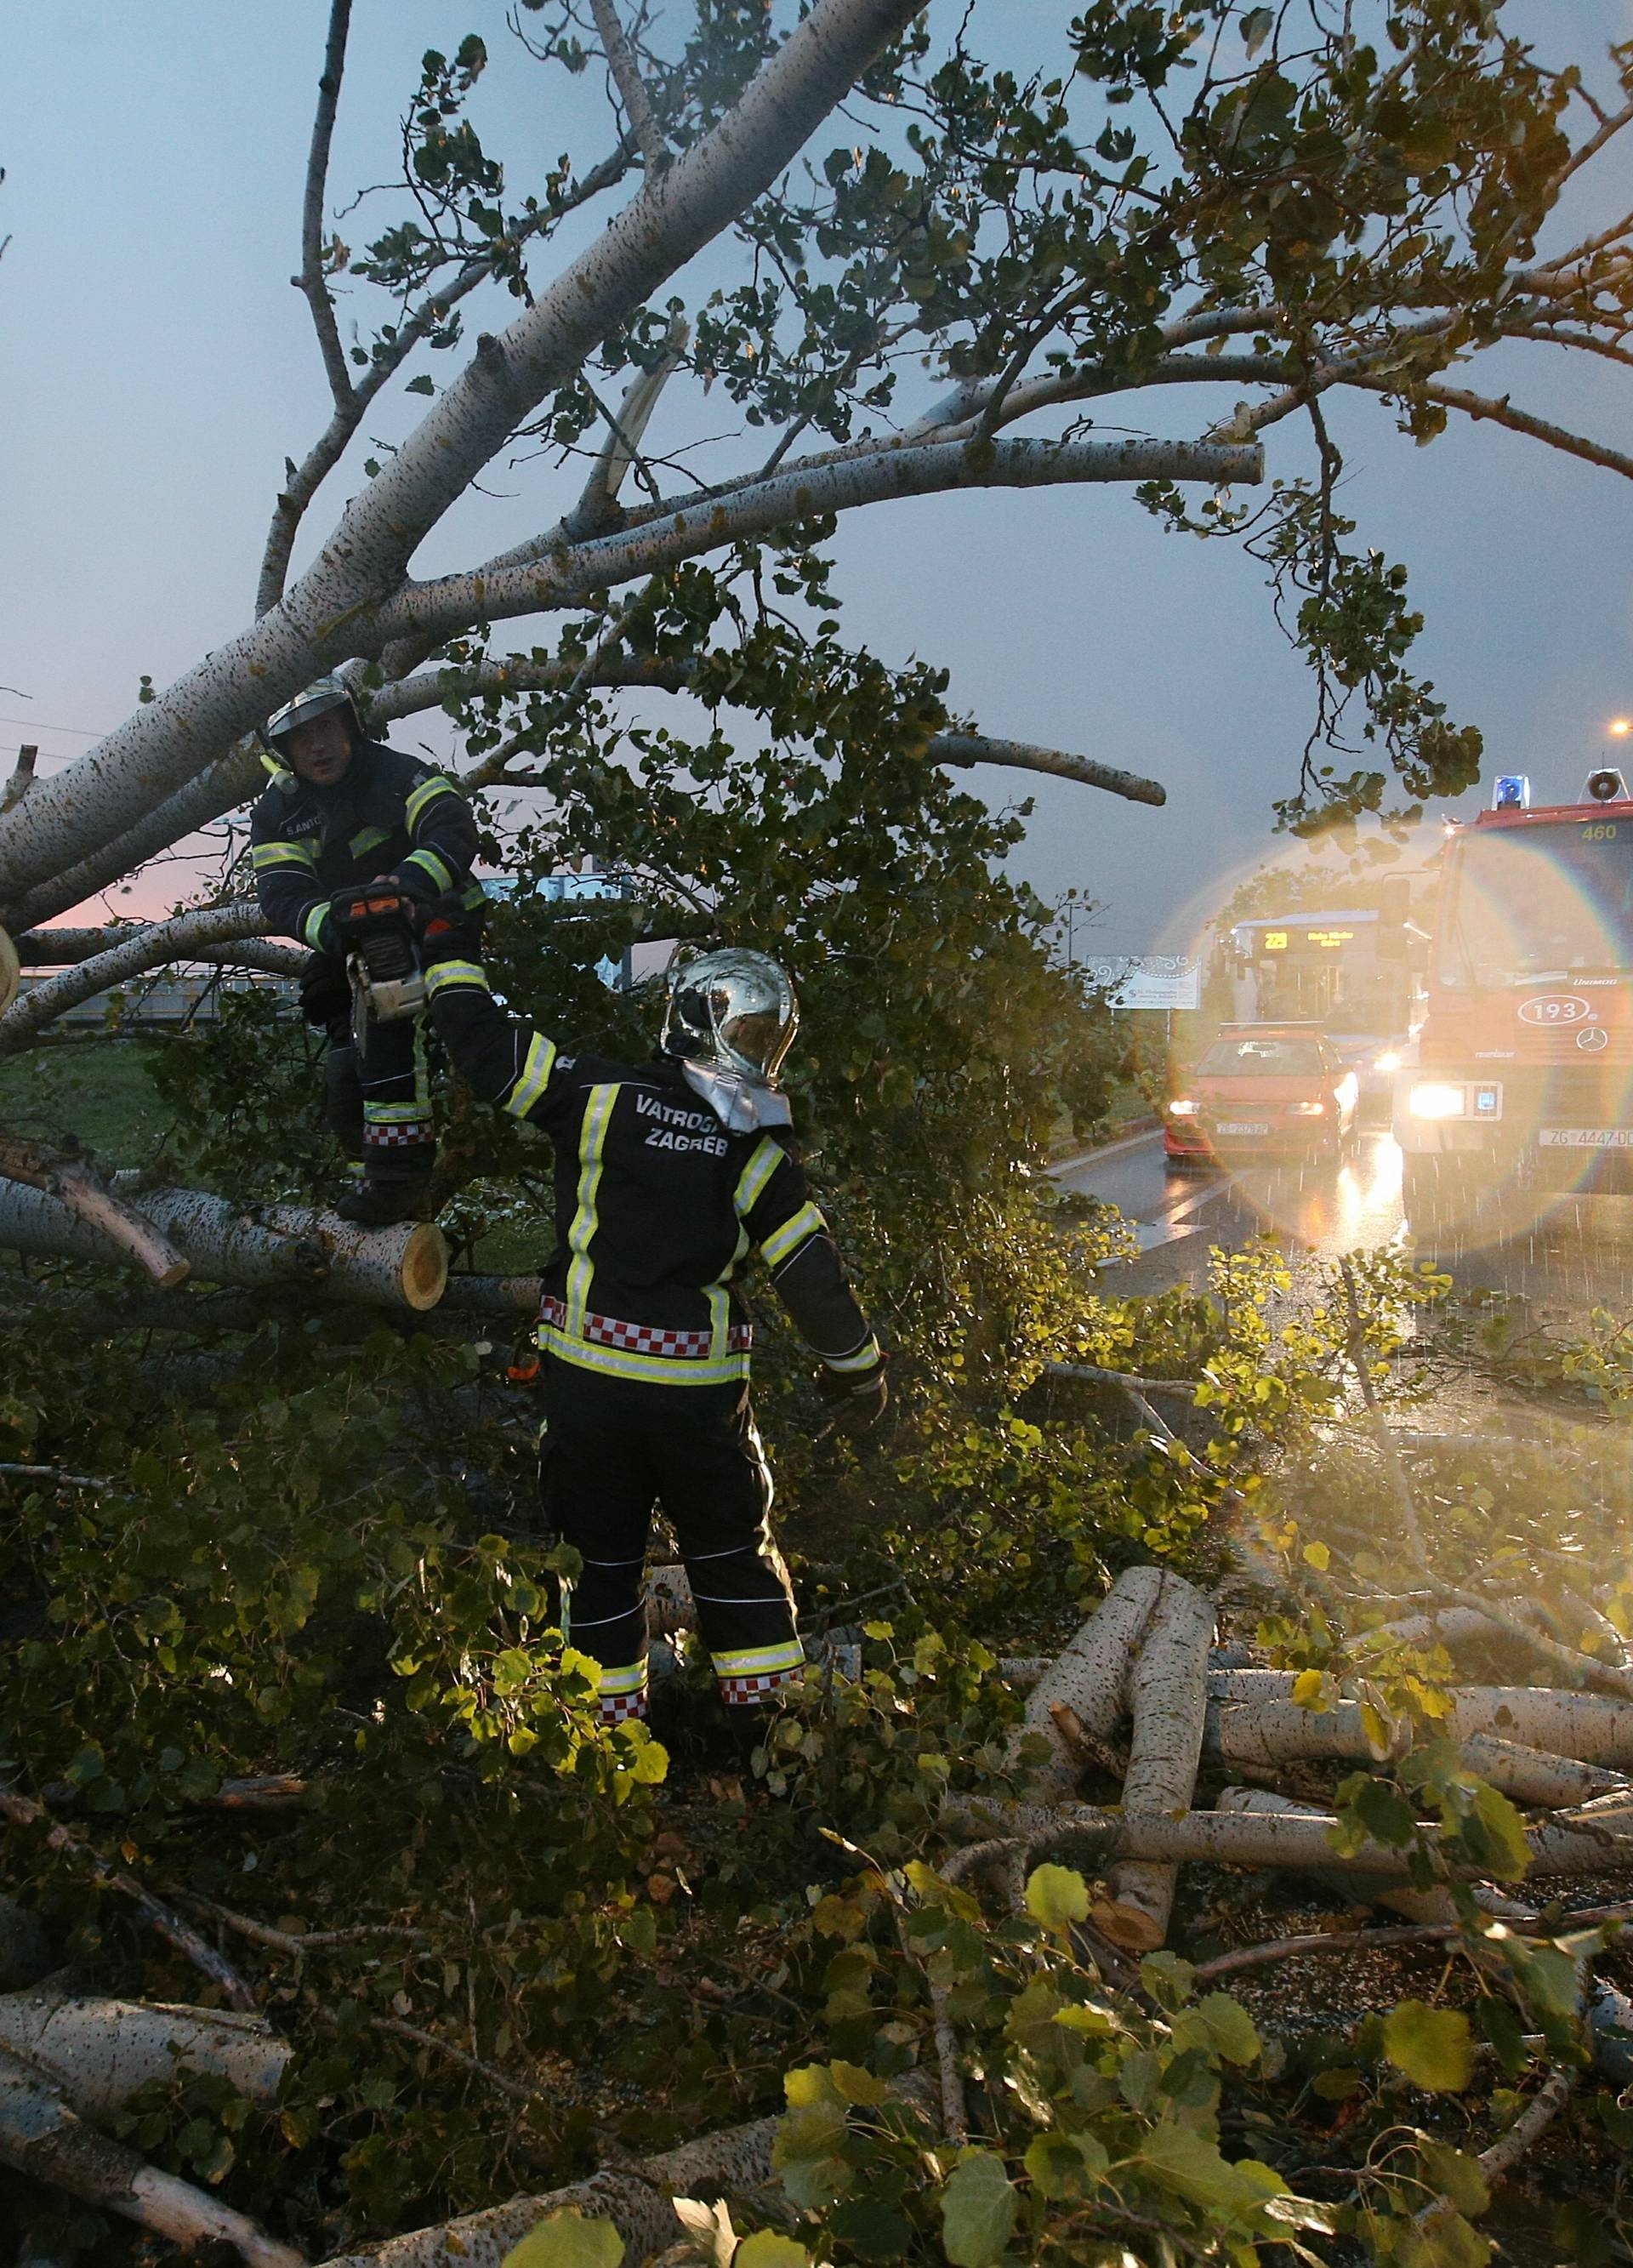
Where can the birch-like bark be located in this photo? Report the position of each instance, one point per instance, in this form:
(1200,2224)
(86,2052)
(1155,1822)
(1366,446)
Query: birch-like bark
(312,282)
(1167,1701)
(97,2053)
(74,1185)
(402,1267)
(319,621)
(1574,1843)
(1431,1906)
(153,946)
(41,2138)
(679,528)
(1533,1776)
(1090,1680)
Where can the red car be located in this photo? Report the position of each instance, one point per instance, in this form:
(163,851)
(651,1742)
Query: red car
(1263,1091)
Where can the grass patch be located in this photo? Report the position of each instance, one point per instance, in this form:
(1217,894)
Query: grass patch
(99,1089)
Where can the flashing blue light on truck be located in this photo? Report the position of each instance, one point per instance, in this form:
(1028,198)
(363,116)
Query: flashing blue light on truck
(1512,792)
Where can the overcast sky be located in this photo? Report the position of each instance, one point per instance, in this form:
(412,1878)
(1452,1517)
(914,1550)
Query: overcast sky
(159,368)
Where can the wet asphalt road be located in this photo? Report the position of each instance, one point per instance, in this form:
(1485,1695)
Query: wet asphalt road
(1577,1254)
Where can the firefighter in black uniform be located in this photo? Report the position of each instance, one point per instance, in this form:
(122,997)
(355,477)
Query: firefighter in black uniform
(669,1176)
(345,810)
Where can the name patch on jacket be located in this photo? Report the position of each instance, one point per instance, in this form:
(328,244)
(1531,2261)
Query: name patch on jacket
(680,1129)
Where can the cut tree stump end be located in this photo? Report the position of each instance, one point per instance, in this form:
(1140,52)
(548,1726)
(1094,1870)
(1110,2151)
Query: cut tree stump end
(424,1266)
(10,972)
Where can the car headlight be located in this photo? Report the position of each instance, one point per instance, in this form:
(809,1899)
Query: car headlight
(1309,1110)
(1183,1109)
(1438,1098)
(1390,1060)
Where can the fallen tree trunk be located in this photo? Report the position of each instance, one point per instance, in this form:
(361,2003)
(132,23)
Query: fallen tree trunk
(1076,1703)
(74,1185)
(1268,1732)
(405,1266)
(1575,1842)
(1431,1905)
(492,1295)
(1594,1727)
(97,2053)
(42,2138)
(1168,1700)
(1533,1776)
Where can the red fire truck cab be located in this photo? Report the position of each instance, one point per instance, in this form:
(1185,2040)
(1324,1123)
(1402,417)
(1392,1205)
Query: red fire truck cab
(1522,1079)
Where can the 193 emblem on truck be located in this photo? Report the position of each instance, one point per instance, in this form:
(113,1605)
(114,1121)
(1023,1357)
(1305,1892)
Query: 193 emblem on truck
(1555,1008)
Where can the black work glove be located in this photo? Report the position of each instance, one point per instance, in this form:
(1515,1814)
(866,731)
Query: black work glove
(360,908)
(449,930)
(856,1398)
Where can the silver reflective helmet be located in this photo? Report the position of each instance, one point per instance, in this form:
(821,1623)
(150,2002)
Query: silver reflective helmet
(318,699)
(731,1011)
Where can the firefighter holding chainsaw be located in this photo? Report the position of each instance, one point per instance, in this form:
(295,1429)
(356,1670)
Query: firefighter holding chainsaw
(669,1175)
(350,844)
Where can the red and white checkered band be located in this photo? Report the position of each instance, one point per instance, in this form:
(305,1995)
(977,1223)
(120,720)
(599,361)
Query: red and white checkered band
(617,1708)
(646,1339)
(411,1134)
(755,1687)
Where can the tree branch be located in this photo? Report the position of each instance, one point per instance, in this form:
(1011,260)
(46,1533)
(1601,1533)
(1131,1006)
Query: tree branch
(150,947)
(303,482)
(637,103)
(1501,411)
(80,1189)
(311,280)
(666,533)
(325,618)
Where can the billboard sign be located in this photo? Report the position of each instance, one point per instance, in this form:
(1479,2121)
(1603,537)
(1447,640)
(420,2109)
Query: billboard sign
(1150,980)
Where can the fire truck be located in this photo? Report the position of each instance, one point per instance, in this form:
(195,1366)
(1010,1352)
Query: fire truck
(1521,1080)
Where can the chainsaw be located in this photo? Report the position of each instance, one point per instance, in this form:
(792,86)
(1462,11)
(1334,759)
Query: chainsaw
(382,964)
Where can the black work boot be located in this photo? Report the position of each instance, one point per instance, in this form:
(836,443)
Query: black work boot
(382,1204)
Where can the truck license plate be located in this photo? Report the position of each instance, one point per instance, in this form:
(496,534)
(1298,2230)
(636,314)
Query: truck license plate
(1241,1126)
(1586,1138)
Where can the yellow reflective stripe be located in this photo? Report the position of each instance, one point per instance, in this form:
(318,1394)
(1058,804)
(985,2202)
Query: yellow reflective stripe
(864,1358)
(652,1369)
(443,975)
(788,1653)
(533,1076)
(440,871)
(796,1230)
(367,840)
(316,921)
(768,1156)
(427,793)
(630,1677)
(591,1141)
(394,1114)
(264,855)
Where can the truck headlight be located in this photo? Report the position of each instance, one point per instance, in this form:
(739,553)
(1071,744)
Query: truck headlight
(1390,1060)
(1437,1098)
(1309,1109)
(1182,1110)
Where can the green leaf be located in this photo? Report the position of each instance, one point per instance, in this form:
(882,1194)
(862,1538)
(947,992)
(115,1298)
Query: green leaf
(978,2207)
(1065,2164)
(1441,2238)
(1496,1836)
(1456,2176)
(1433,2047)
(568,2240)
(765,2249)
(1056,1896)
(421,385)
(1184,2159)
(1228,2028)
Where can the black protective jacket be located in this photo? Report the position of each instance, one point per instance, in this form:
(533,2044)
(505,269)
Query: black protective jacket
(657,1206)
(390,814)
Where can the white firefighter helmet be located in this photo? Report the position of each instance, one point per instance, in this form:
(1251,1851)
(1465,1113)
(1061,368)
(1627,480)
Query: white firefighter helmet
(731,1011)
(319,698)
